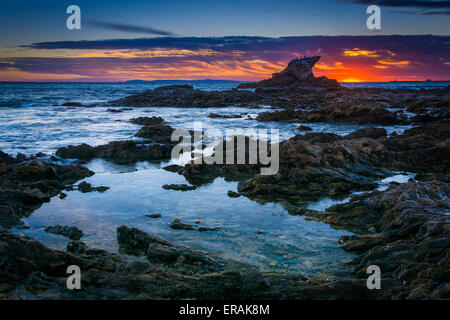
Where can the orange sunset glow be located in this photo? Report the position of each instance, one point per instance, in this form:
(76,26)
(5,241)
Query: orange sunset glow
(346,59)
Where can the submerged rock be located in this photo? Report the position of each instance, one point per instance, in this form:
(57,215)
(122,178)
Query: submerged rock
(168,274)
(73,104)
(154,215)
(69,232)
(177,224)
(172,255)
(87,187)
(179,187)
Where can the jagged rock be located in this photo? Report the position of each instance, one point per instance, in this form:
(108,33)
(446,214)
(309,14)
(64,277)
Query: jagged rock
(358,114)
(315,165)
(41,271)
(185,96)
(304,128)
(69,232)
(26,185)
(156,133)
(373,133)
(297,73)
(200,173)
(146,121)
(6,159)
(119,151)
(421,149)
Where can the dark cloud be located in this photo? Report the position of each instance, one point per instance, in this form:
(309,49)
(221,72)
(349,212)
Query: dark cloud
(261,46)
(424,6)
(128,28)
(426,55)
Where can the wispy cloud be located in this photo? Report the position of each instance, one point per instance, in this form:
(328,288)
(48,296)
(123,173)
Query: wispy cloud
(367,58)
(128,28)
(426,7)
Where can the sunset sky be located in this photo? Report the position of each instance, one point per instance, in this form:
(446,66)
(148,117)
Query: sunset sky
(239,40)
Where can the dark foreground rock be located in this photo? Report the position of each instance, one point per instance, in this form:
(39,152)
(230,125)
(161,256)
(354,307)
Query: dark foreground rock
(404,230)
(32,270)
(69,232)
(25,185)
(183,259)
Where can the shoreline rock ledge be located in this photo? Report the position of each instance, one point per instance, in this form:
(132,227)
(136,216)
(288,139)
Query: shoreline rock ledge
(298,73)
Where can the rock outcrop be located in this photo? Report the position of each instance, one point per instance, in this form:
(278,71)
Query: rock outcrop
(298,73)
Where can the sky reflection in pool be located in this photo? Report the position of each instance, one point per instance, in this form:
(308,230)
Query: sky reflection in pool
(288,243)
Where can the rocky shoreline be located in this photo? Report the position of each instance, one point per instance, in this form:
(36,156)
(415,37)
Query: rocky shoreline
(403,229)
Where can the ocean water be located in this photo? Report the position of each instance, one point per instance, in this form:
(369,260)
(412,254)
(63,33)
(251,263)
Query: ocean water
(263,235)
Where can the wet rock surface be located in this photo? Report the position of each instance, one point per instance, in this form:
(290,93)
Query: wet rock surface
(25,185)
(87,187)
(146,121)
(156,133)
(183,259)
(307,99)
(315,165)
(412,243)
(118,151)
(172,271)
(185,96)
